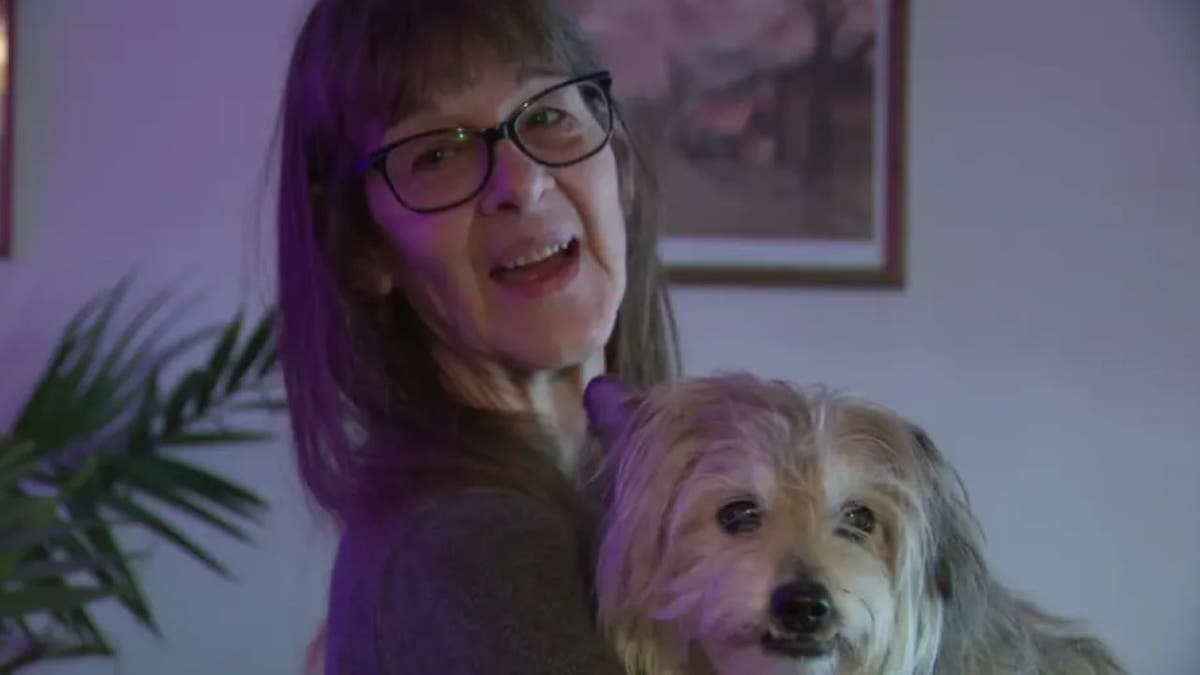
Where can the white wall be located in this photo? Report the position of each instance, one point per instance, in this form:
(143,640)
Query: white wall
(1049,337)
(143,130)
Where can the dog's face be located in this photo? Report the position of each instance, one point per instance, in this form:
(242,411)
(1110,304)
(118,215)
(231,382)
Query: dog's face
(772,532)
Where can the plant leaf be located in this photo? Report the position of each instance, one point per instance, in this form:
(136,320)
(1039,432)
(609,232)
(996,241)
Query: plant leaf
(79,478)
(266,404)
(141,431)
(223,350)
(259,339)
(86,630)
(53,569)
(18,460)
(190,388)
(99,536)
(63,385)
(92,320)
(159,526)
(119,379)
(25,511)
(43,652)
(195,510)
(269,361)
(164,471)
(90,430)
(47,535)
(227,437)
(133,327)
(25,601)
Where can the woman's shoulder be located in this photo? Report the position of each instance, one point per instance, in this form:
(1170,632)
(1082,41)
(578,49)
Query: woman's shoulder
(493,569)
(449,536)
(463,519)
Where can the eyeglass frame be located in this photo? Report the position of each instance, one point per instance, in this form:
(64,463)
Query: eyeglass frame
(506,129)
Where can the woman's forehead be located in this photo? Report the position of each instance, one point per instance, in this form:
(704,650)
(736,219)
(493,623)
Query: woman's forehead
(489,80)
(440,67)
(487,93)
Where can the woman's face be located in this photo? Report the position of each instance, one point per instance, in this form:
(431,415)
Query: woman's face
(525,277)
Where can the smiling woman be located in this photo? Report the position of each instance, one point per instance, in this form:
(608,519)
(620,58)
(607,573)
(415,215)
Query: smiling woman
(464,242)
(477,272)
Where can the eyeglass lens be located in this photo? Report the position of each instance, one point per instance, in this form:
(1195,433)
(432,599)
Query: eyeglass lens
(560,127)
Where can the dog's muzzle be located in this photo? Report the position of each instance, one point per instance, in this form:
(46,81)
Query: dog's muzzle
(805,618)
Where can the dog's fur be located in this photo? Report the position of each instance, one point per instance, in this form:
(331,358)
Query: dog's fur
(680,595)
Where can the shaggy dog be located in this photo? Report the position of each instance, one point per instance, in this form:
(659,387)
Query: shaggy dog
(753,528)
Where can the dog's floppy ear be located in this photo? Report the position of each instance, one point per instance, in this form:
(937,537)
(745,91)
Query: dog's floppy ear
(957,571)
(609,403)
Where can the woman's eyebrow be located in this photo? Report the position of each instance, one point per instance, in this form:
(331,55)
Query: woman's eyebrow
(413,107)
(529,72)
(418,105)
(414,112)
(425,106)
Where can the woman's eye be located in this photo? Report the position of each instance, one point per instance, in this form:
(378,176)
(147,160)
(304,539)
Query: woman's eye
(431,158)
(545,117)
(433,152)
(740,516)
(857,523)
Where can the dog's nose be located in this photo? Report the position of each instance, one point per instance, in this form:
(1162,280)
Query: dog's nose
(804,608)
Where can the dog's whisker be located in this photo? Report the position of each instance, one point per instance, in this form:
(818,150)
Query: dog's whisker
(867,606)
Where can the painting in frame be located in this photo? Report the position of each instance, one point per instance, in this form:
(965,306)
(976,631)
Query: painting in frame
(776,129)
(6,128)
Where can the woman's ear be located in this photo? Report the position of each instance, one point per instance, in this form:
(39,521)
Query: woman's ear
(626,170)
(375,269)
(628,187)
(376,282)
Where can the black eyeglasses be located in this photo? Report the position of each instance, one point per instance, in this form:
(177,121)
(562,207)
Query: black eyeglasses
(440,169)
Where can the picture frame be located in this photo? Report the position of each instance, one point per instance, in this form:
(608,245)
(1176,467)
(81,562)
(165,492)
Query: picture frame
(776,129)
(7,76)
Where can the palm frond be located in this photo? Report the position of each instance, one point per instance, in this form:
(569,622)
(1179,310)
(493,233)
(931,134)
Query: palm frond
(92,450)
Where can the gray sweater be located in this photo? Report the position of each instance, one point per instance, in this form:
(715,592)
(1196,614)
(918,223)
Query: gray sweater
(465,583)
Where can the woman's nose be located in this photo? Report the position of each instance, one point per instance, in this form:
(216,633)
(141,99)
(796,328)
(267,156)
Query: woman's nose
(517,182)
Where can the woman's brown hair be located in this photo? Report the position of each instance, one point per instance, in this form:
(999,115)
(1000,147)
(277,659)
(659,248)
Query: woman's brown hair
(371,419)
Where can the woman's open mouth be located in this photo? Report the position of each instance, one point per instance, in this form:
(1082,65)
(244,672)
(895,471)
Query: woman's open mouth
(540,272)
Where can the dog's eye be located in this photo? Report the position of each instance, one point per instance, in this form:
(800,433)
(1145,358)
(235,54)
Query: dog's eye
(857,523)
(740,516)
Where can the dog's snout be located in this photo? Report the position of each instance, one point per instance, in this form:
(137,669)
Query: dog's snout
(804,608)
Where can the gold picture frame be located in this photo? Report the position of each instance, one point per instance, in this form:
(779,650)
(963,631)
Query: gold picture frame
(778,136)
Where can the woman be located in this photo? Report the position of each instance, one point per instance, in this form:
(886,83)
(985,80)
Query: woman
(464,241)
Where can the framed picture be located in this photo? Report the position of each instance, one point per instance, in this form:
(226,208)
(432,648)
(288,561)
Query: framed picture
(777,129)
(6,127)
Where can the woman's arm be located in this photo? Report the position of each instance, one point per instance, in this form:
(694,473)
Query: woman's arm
(487,582)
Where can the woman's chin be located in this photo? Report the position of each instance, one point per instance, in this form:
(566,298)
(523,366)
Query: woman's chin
(549,358)
(564,340)
(559,345)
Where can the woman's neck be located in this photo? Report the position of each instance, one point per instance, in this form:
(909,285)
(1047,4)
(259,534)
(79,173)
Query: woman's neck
(555,397)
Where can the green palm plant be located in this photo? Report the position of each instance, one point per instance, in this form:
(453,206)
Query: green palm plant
(95,449)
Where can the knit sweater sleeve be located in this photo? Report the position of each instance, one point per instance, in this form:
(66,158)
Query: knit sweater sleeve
(484,582)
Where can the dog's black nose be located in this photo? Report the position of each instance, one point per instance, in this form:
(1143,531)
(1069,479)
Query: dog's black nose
(803,607)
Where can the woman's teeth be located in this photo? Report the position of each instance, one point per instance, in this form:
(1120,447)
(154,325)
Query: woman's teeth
(537,256)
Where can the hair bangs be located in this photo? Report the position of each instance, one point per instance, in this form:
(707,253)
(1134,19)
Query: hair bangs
(414,52)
